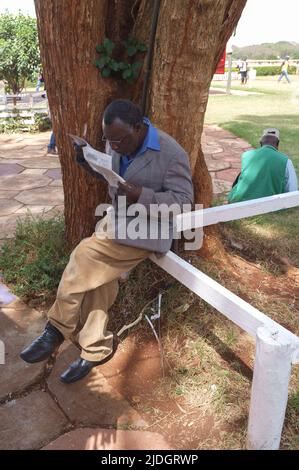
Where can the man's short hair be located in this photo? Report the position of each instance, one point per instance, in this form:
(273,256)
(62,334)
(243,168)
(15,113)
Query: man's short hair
(124,110)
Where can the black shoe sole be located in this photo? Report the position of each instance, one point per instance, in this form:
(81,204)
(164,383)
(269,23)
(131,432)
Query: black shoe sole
(97,363)
(35,361)
(74,379)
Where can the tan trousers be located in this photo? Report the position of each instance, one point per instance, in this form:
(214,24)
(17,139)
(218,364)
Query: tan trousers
(88,287)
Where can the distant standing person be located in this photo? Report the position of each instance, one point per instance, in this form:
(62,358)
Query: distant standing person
(284,70)
(40,81)
(244,71)
(239,64)
(51,147)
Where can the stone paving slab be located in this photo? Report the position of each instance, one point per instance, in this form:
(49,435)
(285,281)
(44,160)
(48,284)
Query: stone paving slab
(211,148)
(30,422)
(91,400)
(109,439)
(228,175)
(18,327)
(228,158)
(23,164)
(221,186)
(43,162)
(8,225)
(34,171)
(217,165)
(55,173)
(10,169)
(57,183)
(31,209)
(22,182)
(8,206)
(19,156)
(51,195)
(5,194)
(56,210)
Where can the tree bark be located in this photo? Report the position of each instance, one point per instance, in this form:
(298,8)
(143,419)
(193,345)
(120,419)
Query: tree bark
(69,30)
(191,36)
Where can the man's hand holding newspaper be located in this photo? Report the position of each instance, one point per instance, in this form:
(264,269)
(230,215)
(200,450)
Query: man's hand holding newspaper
(98,161)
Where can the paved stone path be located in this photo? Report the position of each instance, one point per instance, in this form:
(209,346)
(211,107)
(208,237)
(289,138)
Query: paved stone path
(30,180)
(36,409)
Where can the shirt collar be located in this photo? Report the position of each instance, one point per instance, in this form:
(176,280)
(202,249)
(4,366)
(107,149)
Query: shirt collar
(151,140)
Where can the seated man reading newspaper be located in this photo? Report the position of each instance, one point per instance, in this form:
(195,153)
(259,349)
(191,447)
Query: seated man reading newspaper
(142,165)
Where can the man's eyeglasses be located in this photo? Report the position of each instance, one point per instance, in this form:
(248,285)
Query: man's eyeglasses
(116,142)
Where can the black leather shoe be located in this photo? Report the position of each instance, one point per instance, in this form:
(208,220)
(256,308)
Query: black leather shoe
(81,367)
(43,346)
(77,370)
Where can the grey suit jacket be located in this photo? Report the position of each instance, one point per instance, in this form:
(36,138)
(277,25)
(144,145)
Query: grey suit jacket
(166,179)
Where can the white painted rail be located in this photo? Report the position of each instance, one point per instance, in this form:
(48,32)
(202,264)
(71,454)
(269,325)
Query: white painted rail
(277,348)
(240,312)
(238,210)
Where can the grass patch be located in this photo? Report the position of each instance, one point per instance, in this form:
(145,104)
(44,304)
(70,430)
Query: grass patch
(247,115)
(32,263)
(267,239)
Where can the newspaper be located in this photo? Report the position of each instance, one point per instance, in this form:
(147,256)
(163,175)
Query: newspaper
(99,161)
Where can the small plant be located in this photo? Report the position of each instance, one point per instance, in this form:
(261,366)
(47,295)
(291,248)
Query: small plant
(127,69)
(42,122)
(32,262)
(12,125)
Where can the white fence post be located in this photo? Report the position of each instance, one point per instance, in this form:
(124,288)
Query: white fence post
(272,370)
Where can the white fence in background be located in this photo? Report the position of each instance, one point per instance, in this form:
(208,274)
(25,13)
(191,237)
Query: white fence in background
(276,347)
(24,105)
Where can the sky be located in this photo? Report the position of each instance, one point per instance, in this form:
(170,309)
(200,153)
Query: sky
(261,20)
(268,21)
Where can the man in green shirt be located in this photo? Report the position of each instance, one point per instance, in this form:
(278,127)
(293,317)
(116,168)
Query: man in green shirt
(265,171)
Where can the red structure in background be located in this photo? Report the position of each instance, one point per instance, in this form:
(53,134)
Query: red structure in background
(221,64)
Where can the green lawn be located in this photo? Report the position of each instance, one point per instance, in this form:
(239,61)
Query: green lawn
(246,116)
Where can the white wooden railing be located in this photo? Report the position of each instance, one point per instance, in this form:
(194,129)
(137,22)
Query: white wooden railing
(276,347)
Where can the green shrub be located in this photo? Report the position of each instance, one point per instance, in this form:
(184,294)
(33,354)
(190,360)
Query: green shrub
(12,125)
(273,70)
(42,122)
(33,261)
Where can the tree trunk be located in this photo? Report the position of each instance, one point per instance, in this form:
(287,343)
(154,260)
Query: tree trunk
(69,30)
(191,36)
